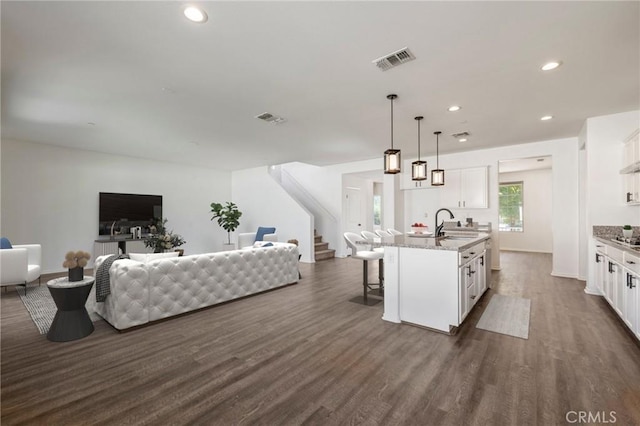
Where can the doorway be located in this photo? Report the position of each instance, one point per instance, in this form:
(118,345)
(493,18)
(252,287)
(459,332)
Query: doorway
(524,204)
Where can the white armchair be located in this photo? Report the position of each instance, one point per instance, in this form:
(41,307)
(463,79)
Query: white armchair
(20,265)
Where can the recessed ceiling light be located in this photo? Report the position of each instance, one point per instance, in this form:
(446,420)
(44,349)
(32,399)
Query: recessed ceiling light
(195,14)
(454,108)
(551,65)
(462,140)
(546,117)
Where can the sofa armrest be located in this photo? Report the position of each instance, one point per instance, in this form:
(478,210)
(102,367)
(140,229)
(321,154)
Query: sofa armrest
(13,264)
(34,253)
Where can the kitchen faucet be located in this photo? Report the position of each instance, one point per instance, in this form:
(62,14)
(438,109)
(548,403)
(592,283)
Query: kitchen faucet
(439,227)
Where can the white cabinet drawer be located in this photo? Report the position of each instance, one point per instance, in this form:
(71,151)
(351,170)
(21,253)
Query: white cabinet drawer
(471,252)
(615,254)
(632,263)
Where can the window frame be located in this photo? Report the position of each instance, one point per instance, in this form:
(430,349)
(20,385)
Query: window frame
(522,221)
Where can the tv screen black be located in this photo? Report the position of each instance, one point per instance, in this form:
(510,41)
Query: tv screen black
(127,210)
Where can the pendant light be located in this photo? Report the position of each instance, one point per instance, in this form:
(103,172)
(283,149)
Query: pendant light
(418,168)
(437,174)
(392,156)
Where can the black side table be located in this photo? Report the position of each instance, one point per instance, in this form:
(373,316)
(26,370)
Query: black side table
(72,319)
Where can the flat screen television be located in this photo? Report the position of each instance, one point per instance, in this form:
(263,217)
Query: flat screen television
(127,210)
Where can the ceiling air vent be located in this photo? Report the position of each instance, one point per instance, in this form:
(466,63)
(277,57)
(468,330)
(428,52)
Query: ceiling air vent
(394,59)
(460,135)
(270,118)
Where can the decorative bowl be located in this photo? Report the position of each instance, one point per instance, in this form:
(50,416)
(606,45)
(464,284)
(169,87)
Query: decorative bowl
(420,229)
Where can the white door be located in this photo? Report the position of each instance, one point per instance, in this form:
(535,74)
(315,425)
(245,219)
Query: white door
(353,210)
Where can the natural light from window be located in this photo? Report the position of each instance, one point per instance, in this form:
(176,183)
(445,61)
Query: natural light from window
(511,207)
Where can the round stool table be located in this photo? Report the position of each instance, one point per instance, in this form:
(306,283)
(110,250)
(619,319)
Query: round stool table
(72,319)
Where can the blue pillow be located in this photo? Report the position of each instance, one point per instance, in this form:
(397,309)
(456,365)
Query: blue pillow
(5,243)
(262,231)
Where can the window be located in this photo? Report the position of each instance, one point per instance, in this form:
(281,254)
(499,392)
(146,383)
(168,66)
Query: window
(377,209)
(511,207)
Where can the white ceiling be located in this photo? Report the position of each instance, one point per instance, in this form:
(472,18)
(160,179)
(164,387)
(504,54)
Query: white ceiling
(158,86)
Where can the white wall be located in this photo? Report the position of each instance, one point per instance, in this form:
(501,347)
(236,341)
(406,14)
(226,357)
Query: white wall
(308,176)
(50,196)
(263,202)
(604,189)
(536,236)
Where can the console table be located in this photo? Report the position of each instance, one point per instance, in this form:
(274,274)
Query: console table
(72,320)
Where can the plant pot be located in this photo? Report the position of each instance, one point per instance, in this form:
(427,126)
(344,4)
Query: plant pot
(76,274)
(228,247)
(627,233)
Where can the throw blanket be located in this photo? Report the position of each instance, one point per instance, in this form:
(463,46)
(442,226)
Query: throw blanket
(103,289)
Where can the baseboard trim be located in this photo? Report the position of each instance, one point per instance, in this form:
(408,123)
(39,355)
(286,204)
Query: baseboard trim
(555,274)
(525,250)
(593,292)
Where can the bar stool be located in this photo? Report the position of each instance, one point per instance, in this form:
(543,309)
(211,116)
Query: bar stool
(383,234)
(370,236)
(365,255)
(394,232)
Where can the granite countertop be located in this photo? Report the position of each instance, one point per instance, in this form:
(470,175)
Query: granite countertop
(607,241)
(430,243)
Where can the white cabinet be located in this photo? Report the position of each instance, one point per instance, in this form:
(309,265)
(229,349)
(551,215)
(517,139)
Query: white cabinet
(465,188)
(600,268)
(630,308)
(631,153)
(631,188)
(631,169)
(472,279)
(620,280)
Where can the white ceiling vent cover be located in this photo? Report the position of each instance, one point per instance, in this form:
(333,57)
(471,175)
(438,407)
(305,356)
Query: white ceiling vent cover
(394,59)
(271,118)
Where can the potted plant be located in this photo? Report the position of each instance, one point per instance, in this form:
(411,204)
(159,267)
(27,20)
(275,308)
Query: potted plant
(160,239)
(627,231)
(228,217)
(76,261)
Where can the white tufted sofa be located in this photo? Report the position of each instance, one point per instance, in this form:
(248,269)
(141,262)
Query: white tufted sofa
(145,292)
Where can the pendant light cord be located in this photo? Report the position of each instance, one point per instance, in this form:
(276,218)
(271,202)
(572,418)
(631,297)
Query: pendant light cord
(391,123)
(418,140)
(437,151)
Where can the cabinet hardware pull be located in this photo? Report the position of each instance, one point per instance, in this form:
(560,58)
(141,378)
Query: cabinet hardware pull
(472,253)
(465,257)
(598,246)
(629,197)
(631,262)
(481,260)
(628,276)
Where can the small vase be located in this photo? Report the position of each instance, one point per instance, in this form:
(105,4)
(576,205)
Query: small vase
(76,274)
(627,233)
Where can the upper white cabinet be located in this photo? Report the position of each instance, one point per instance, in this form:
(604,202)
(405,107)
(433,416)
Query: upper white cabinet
(465,188)
(631,168)
(631,157)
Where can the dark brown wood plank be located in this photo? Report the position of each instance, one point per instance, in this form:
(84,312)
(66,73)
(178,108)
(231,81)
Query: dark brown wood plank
(304,354)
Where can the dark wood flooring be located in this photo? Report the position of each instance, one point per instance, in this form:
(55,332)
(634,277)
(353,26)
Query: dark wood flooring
(306,355)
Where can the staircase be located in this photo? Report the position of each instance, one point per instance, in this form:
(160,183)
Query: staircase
(322,250)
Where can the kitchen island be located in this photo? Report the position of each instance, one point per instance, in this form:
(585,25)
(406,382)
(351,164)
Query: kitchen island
(433,282)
